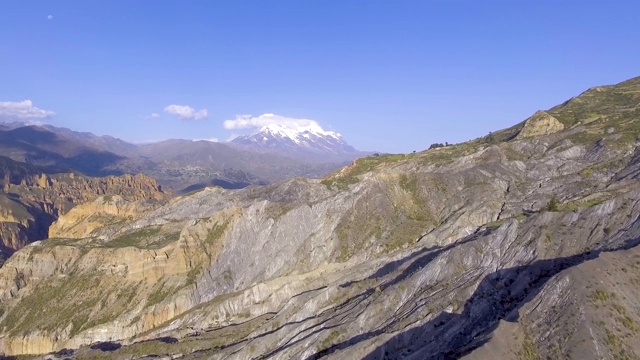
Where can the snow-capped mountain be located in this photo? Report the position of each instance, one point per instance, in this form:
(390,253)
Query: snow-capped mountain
(304,141)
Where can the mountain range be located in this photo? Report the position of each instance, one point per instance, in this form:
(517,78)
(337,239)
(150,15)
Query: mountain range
(521,244)
(309,143)
(180,165)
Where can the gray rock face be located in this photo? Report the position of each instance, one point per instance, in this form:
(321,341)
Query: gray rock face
(520,249)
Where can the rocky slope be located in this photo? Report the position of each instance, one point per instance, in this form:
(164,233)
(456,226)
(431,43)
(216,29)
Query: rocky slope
(518,245)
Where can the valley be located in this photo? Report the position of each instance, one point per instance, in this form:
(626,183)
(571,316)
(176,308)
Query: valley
(178,165)
(521,244)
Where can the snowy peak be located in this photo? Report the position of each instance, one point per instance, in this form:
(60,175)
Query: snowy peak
(299,135)
(308,140)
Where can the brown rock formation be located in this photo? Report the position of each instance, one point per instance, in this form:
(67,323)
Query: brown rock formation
(32,200)
(540,123)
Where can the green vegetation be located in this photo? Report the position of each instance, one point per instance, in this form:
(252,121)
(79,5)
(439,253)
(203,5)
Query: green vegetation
(495,224)
(53,242)
(575,205)
(402,235)
(120,302)
(612,339)
(415,215)
(629,323)
(625,319)
(603,108)
(395,222)
(603,168)
(616,345)
(436,155)
(165,240)
(80,303)
(192,275)
(217,231)
(514,155)
(597,104)
(135,238)
(529,350)
(158,295)
(447,155)
(419,211)
(586,137)
(150,237)
(350,175)
(600,295)
(586,172)
(278,209)
(329,340)
(553,204)
(36,311)
(520,216)
(352,233)
(438,145)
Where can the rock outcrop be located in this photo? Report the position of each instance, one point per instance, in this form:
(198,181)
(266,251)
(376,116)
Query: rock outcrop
(540,123)
(83,219)
(514,249)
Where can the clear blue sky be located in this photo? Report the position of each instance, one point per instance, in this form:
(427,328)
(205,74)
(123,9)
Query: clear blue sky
(391,76)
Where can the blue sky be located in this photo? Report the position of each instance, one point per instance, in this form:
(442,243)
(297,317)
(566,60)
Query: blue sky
(392,76)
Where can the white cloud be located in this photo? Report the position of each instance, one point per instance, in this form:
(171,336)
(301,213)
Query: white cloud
(186,112)
(22,111)
(50,17)
(250,122)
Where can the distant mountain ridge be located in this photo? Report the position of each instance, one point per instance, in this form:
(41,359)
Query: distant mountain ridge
(38,146)
(103,143)
(177,164)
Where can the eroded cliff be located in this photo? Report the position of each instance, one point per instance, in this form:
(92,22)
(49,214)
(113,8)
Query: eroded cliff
(32,199)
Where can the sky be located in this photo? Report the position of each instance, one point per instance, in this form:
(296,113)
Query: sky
(390,76)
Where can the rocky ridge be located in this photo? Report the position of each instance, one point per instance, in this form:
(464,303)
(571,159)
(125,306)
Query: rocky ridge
(521,247)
